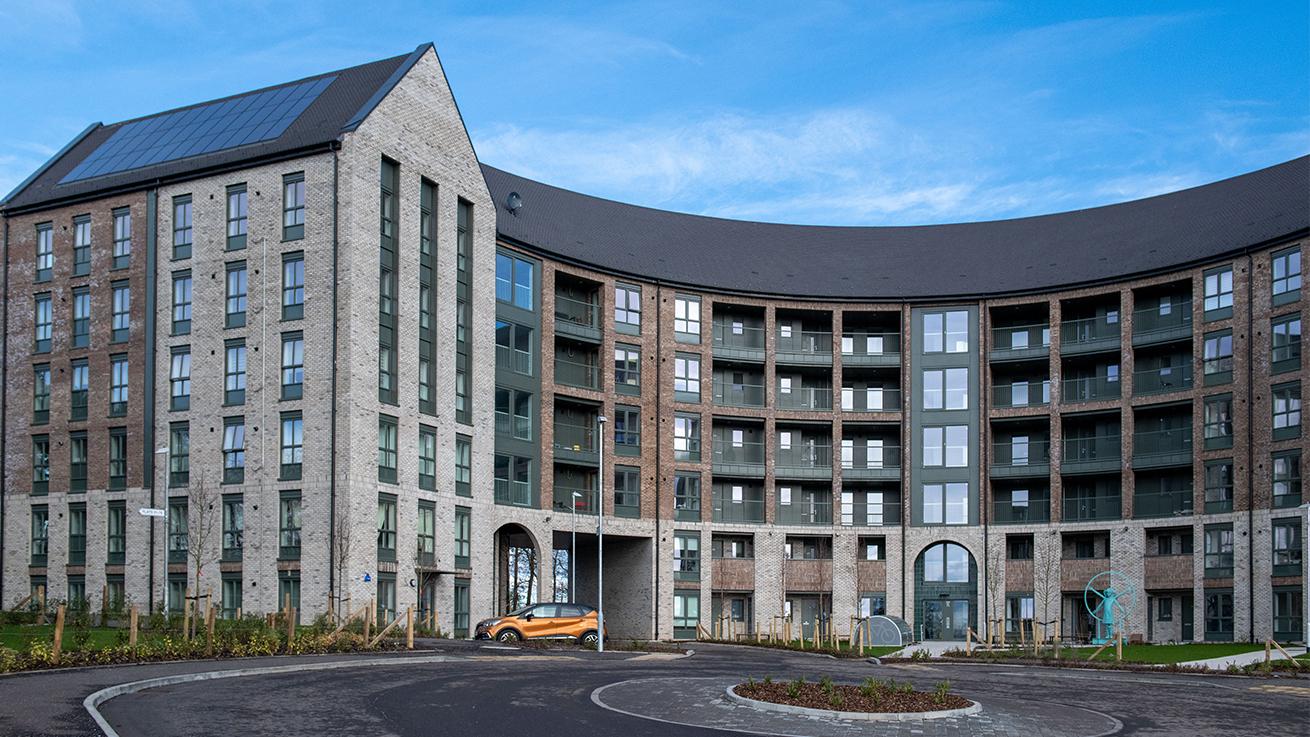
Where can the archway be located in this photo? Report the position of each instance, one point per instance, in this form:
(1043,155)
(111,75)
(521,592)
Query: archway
(518,568)
(946,591)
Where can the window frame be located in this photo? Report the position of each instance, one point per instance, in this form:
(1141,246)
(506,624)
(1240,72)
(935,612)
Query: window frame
(293,206)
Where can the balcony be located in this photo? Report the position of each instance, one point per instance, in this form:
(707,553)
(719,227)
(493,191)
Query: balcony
(1089,389)
(804,461)
(739,342)
(731,394)
(1017,460)
(878,463)
(584,503)
(871,399)
(513,493)
(1162,380)
(871,514)
(1034,510)
(576,443)
(805,511)
(518,427)
(1097,454)
(805,347)
(747,511)
(875,349)
(1089,335)
(1022,394)
(738,459)
(805,399)
(1020,342)
(1092,508)
(575,373)
(513,359)
(1155,504)
(576,319)
(1155,325)
(1162,448)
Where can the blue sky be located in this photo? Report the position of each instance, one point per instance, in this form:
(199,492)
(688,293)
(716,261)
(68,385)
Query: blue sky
(818,112)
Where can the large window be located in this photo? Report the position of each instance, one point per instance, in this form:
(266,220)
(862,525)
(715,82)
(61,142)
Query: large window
(42,323)
(1219,550)
(116,538)
(1287,275)
(293,365)
(1286,353)
(121,319)
(1287,479)
(289,525)
(40,464)
(292,446)
(946,504)
(179,454)
(1218,486)
(1218,614)
(686,438)
(118,458)
(80,374)
(514,347)
(177,535)
(293,286)
(181,303)
(179,378)
(81,246)
(234,526)
(686,497)
(41,394)
(627,369)
(946,388)
(514,280)
(1287,547)
(463,465)
(686,377)
(234,450)
(77,461)
(945,446)
(627,308)
(77,534)
(686,614)
(40,540)
(1219,293)
(463,536)
(81,317)
(236,217)
(387,448)
(293,206)
(1218,357)
(45,249)
(946,563)
(234,373)
(182,233)
(386,527)
(686,318)
(236,290)
(427,457)
(686,556)
(627,430)
(1287,411)
(427,533)
(946,332)
(1218,421)
(122,238)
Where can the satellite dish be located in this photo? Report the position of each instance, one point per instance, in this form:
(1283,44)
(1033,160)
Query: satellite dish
(514,202)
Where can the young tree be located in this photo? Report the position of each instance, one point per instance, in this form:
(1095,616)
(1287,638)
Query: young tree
(1047,587)
(341,544)
(203,510)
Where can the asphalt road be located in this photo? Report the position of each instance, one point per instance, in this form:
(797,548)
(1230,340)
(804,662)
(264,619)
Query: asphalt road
(494,692)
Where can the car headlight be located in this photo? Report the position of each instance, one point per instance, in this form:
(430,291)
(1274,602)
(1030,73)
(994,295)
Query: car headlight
(489,622)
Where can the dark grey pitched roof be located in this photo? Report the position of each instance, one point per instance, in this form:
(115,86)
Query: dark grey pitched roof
(341,107)
(930,261)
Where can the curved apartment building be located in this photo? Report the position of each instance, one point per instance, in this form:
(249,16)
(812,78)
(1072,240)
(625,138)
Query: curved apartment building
(954,424)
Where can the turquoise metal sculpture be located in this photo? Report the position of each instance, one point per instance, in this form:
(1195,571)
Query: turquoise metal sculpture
(1109,602)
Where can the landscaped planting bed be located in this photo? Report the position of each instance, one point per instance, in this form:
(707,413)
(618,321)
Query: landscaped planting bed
(874,696)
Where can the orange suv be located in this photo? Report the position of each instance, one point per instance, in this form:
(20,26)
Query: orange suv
(546,621)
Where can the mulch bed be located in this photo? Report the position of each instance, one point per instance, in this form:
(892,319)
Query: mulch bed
(812,696)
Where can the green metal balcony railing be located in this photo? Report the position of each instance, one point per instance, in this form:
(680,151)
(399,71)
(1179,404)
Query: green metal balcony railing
(575,442)
(804,346)
(745,510)
(1097,454)
(1161,324)
(744,458)
(878,399)
(571,314)
(804,460)
(861,461)
(1092,508)
(1019,342)
(1022,394)
(514,493)
(1162,379)
(871,349)
(1030,458)
(584,503)
(1089,334)
(575,373)
(512,359)
(865,514)
(516,426)
(1035,509)
(738,341)
(805,511)
(805,398)
(1173,503)
(1156,448)
(1089,389)
(731,394)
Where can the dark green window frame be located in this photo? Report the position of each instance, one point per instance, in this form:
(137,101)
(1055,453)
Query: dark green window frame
(1288,546)
(1219,486)
(1217,287)
(687,433)
(179,454)
(627,309)
(291,442)
(122,238)
(116,537)
(1218,615)
(42,322)
(79,377)
(183,296)
(293,285)
(1285,337)
(1217,357)
(40,464)
(463,465)
(41,394)
(387,527)
(293,206)
(686,318)
(1217,421)
(119,380)
(234,450)
(427,457)
(45,250)
(463,536)
(627,369)
(121,317)
(388,264)
(237,210)
(117,458)
(1285,270)
(40,539)
(388,448)
(426,526)
(179,378)
(235,372)
(234,526)
(231,595)
(427,297)
(460,623)
(81,317)
(1218,548)
(77,461)
(1285,467)
(182,232)
(627,430)
(686,556)
(293,366)
(178,527)
(289,525)
(627,491)
(1286,406)
(687,497)
(81,245)
(288,588)
(77,534)
(236,293)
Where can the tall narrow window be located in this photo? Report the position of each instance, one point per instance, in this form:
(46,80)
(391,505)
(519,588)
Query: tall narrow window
(177,534)
(118,458)
(293,286)
(289,526)
(1219,293)
(45,250)
(234,373)
(81,245)
(182,227)
(179,379)
(182,303)
(627,369)
(292,445)
(1287,275)
(427,457)
(80,375)
(523,296)
(1287,479)
(116,540)
(41,394)
(427,533)
(387,448)
(293,365)
(427,299)
(236,217)
(686,319)
(686,438)
(293,206)
(77,534)
(387,312)
(463,536)
(627,309)
(386,527)
(235,312)
(1218,357)
(179,454)
(42,323)
(122,238)
(463,465)
(234,450)
(40,464)
(1287,411)
(122,317)
(1286,355)
(81,317)
(686,377)
(77,461)
(234,526)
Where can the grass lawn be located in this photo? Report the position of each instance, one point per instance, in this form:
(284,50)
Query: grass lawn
(1154,654)
(17,637)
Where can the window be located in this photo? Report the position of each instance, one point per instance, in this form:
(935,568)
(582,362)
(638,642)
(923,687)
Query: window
(77,461)
(386,527)
(686,377)
(1288,614)
(116,540)
(514,413)
(1019,613)
(177,533)
(627,369)
(733,546)
(77,534)
(627,431)
(686,556)
(460,622)
(686,497)
(234,526)
(387,359)
(81,317)
(1219,293)
(514,281)
(40,535)
(1164,608)
(1218,486)
(182,227)
(686,614)
(118,458)
(231,601)
(179,454)
(292,445)
(1218,421)
(181,303)
(872,548)
(122,315)
(1218,615)
(945,446)
(1019,547)
(293,365)
(40,464)
(463,536)
(946,331)
(41,394)
(946,388)
(45,249)
(1218,357)
(234,450)
(1286,355)
(293,286)
(463,465)
(293,206)
(946,504)
(288,589)
(235,316)
(179,379)
(289,525)
(627,492)
(686,319)
(1287,479)
(427,304)
(80,376)
(686,438)
(122,238)
(514,347)
(1287,411)
(427,457)
(387,448)
(427,533)
(627,309)
(236,217)
(234,373)
(1287,547)
(1219,550)
(42,323)
(1287,275)
(946,563)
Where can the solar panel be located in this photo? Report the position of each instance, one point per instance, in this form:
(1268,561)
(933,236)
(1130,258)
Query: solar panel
(259,116)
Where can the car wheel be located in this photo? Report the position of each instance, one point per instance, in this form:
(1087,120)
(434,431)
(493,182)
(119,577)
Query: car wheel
(508,636)
(588,639)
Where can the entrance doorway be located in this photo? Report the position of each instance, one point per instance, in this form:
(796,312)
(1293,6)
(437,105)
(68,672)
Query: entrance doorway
(809,613)
(946,592)
(945,619)
(518,568)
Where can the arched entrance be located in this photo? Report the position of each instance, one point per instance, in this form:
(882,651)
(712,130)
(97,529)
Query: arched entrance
(518,568)
(946,591)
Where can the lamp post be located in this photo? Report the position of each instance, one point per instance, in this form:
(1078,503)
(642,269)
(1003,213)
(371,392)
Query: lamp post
(573,548)
(600,540)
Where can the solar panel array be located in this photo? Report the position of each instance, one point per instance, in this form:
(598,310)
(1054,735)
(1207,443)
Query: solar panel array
(259,116)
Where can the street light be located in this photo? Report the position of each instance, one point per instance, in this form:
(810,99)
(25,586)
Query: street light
(600,541)
(573,549)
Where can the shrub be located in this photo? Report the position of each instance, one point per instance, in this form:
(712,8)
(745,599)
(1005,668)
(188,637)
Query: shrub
(835,699)
(794,688)
(768,680)
(825,684)
(941,691)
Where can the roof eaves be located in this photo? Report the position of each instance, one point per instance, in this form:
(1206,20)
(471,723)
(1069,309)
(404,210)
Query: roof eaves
(49,163)
(386,87)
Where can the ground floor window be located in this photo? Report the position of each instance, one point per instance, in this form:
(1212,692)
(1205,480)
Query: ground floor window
(1164,609)
(288,588)
(116,591)
(461,607)
(1219,615)
(77,592)
(1018,611)
(231,597)
(1289,614)
(686,614)
(873,605)
(386,598)
(176,593)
